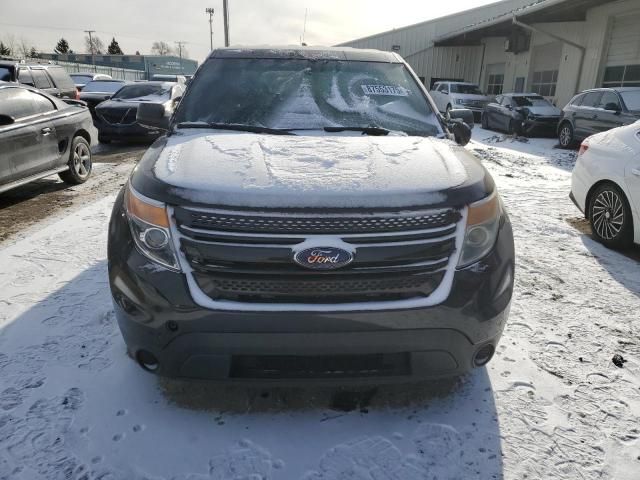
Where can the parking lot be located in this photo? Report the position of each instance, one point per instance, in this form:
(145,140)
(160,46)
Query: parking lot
(552,404)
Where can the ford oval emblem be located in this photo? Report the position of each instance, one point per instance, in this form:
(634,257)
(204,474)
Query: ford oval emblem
(323,258)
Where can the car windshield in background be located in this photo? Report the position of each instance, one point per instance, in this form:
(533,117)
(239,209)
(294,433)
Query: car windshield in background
(631,100)
(5,74)
(143,90)
(531,101)
(81,78)
(102,87)
(308,94)
(466,89)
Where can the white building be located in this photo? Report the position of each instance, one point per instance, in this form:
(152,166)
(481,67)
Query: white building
(553,47)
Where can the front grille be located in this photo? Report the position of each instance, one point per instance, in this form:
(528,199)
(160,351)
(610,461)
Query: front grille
(322,288)
(248,257)
(120,116)
(338,366)
(316,224)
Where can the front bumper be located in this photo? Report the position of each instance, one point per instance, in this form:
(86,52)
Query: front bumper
(547,126)
(157,315)
(132,131)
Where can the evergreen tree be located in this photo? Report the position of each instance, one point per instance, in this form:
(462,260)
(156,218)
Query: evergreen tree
(33,53)
(4,50)
(114,48)
(62,46)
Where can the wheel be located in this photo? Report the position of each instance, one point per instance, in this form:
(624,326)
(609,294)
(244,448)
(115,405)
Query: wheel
(485,121)
(79,163)
(610,216)
(102,139)
(514,128)
(565,135)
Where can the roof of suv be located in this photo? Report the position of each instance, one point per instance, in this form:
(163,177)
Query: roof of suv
(616,89)
(311,53)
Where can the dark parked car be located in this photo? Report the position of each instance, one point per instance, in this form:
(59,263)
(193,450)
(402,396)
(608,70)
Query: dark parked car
(598,110)
(115,119)
(50,78)
(521,114)
(41,136)
(308,219)
(82,78)
(97,91)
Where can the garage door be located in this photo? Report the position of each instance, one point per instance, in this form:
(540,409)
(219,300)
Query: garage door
(623,58)
(545,66)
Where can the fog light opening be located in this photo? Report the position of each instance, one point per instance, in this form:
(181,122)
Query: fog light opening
(147,360)
(483,355)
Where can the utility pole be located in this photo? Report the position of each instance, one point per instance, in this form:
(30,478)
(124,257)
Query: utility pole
(180,44)
(225,13)
(93,55)
(210,12)
(304,29)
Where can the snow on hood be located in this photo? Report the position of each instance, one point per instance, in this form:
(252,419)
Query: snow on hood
(249,170)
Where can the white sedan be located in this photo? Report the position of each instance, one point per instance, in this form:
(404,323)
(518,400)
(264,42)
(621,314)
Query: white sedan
(605,185)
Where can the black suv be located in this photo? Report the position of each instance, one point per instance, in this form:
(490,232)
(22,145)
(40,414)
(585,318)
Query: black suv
(50,78)
(598,110)
(308,216)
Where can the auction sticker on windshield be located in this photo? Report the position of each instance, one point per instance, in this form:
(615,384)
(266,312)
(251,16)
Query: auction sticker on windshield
(385,90)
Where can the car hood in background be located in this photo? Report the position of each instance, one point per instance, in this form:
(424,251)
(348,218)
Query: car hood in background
(273,171)
(468,96)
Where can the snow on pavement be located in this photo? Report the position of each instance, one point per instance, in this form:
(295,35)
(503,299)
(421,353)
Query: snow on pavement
(550,405)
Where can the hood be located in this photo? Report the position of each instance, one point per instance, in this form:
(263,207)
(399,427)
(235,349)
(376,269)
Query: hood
(546,111)
(250,170)
(470,96)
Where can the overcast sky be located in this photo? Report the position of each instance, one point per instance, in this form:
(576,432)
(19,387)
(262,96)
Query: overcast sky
(137,23)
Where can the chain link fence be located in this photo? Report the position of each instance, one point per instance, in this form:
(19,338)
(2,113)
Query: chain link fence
(114,72)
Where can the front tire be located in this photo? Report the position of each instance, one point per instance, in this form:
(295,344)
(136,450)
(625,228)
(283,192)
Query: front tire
(565,135)
(80,164)
(610,217)
(513,128)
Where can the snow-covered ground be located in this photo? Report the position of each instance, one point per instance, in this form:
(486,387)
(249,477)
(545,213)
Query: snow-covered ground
(550,405)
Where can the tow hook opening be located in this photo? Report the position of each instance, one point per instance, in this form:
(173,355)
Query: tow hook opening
(147,360)
(483,355)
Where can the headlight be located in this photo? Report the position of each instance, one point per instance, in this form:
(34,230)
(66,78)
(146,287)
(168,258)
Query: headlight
(459,101)
(483,221)
(149,223)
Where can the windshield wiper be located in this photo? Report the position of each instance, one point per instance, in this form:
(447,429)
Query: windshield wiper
(372,130)
(237,127)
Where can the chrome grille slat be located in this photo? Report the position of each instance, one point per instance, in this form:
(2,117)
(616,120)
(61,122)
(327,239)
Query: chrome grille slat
(288,224)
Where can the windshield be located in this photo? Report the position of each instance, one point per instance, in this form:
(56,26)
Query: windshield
(308,94)
(631,100)
(81,78)
(106,87)
(464,88)
(144,90)
(533,101)
(5,74)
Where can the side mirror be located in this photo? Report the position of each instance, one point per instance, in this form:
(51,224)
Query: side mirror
(152,115)
(461,114)
(6,120)
(613,107)
(108,97)
(446,92)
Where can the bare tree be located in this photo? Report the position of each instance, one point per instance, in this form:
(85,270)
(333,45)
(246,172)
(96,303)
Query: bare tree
(93,45)
(10,43)
(24,48)
(161,48)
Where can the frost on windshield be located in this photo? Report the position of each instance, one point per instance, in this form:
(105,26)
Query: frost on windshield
(303,94)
